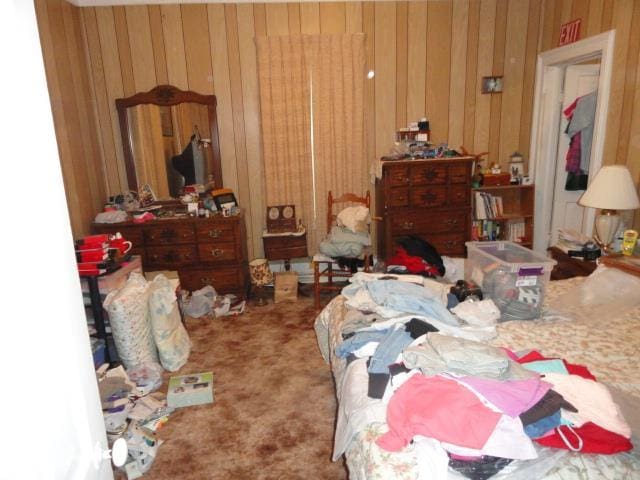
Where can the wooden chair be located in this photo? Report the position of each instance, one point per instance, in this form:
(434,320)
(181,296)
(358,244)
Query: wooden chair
(329,268)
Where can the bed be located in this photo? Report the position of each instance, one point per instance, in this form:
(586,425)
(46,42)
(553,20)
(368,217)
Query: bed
(608,344)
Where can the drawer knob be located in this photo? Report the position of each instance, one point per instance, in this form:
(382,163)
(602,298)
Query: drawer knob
(167,234)
(451,221)
(430,174)
(407,225)
(217,252)
(206,280)
(429,197)
(215,233)
(450,243)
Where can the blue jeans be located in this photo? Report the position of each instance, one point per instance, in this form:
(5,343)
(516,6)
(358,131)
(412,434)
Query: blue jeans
(359,339)
(389,348)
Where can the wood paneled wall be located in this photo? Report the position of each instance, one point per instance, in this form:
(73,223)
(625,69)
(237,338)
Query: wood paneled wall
(428,58)
(71,92)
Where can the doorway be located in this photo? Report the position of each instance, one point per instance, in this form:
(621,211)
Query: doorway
(579,82)
(546,132)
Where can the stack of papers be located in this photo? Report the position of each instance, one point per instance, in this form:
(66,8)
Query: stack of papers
(569,239)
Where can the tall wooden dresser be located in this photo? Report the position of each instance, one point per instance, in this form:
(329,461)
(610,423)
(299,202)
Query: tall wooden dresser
(204,251)
(428,198)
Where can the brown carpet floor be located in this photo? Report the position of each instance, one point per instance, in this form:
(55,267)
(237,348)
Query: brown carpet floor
(274,402)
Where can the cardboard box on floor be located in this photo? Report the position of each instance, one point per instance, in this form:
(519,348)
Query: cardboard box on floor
(285,287)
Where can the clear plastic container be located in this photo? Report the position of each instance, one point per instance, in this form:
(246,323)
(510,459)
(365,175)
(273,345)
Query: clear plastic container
(513,276)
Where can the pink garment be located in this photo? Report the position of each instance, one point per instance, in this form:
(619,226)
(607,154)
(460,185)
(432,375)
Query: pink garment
(574,152)
(512,397)
(438,408)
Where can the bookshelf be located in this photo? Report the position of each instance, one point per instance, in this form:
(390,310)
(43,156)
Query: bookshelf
(503,213)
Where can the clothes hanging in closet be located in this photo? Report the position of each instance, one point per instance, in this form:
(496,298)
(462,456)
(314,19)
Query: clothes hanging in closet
(581,117)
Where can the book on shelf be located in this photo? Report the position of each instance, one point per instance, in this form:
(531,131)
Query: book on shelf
(487,206)
(486,230)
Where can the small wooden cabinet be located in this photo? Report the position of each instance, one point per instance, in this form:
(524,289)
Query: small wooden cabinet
(428,198)
(285,247)
(204,251)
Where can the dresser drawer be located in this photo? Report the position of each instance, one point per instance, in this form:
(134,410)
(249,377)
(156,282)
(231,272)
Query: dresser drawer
(398,176)
(226,279)
(459,195)
(435,196)
(448,243)
(171,256)
(216,231)
(285,247)
(410,223)
(217,252)
(459,174)
(398,197)
(428,174)
(169,234)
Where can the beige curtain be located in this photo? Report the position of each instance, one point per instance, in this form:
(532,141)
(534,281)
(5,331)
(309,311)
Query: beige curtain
(148,148)
(286,125)
(329,69)
(338,63)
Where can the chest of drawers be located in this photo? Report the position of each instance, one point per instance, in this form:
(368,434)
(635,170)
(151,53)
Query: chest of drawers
(427,198)
(204,251)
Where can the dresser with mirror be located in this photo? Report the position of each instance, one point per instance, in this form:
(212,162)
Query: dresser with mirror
(170,139)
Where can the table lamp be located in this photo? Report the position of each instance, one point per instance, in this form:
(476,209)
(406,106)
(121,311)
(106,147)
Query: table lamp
(611,190)
(261,275)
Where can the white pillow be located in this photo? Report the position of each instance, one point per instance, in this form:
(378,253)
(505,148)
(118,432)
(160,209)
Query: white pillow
(355,219)
(169,333)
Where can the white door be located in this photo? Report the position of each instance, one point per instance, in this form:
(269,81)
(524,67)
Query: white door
(579,80)
(52,424)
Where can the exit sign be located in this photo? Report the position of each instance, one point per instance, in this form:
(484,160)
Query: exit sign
(569,32)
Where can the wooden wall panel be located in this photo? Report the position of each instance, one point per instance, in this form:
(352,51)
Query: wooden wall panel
(174,46)
(438,69)
(401,65)
(141,48)
(195,29)
(429,59)
(67,78)
(385,68)
(460,18)
(514,54)
(417,60)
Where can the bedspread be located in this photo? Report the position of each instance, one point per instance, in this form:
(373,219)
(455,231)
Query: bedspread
(608,346)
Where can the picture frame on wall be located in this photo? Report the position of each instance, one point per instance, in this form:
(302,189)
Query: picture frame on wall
(492,84)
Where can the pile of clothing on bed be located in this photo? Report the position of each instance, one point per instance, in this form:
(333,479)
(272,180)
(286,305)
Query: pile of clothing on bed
(416,362)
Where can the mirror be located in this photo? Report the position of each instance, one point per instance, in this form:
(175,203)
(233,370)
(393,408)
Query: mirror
(170,139)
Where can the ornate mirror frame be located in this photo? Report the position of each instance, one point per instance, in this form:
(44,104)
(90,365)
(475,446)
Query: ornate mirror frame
(167,96)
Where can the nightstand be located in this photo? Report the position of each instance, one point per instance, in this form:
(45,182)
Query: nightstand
(569,267)
(285,246)
(629,264)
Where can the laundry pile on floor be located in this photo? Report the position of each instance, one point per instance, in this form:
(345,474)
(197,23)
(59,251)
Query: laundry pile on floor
(417,362)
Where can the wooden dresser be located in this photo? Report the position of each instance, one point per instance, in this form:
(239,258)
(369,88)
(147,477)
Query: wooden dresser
(427,198)
(204,251)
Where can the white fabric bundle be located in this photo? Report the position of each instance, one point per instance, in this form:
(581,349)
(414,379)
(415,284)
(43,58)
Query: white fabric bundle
(129,318)
(355,219)
(169,334)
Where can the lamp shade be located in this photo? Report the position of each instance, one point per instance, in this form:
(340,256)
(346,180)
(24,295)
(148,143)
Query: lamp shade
(260,272)
(612,189)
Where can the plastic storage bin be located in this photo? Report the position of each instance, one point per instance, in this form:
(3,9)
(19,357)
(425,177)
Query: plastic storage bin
(512,276)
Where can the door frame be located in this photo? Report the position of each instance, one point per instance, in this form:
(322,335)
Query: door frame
(545,132)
